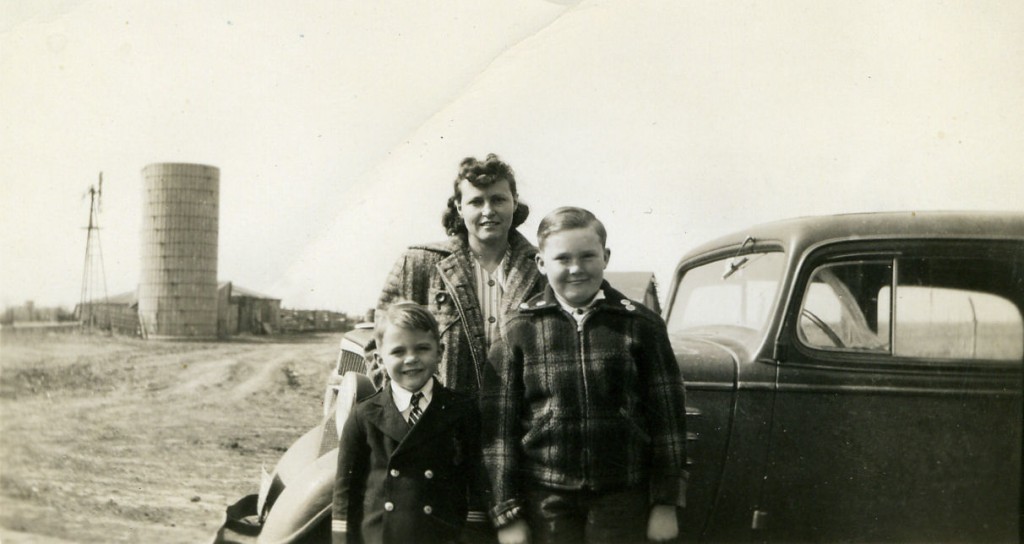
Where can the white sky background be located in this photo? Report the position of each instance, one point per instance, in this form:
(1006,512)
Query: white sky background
(338,126)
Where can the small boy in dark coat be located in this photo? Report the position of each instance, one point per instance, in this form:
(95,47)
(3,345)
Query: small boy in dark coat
(407,454)
(585,436)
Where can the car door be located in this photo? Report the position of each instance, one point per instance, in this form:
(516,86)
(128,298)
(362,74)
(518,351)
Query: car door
(719,314)
(897,408)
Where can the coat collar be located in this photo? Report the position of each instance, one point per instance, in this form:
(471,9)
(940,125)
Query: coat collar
(455,269)
(521,273)
(613,301)
(383,413)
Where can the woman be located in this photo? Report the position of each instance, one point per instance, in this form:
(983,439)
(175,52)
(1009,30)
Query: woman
(469,281)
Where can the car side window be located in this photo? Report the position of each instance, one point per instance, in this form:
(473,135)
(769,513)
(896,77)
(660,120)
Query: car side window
(943,308)
(840,307)
(937,319)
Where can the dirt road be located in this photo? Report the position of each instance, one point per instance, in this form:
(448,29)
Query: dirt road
(121,440)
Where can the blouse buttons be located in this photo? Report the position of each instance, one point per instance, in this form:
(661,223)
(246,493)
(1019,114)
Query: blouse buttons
(440,297)
(394,473)
(491,319)
(389,506)
(490,283)
(427,509)
(428,474)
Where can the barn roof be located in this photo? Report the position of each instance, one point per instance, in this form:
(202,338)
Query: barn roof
(128,298)
(239,291)
(633,284)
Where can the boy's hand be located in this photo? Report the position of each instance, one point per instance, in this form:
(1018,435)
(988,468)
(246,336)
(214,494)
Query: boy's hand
(517,532)
(662,524)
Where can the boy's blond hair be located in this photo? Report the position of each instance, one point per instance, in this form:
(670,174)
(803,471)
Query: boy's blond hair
(406,315)
(568,218)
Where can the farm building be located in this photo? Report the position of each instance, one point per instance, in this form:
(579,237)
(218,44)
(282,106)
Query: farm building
(241,310)
(117,313)
(313,320)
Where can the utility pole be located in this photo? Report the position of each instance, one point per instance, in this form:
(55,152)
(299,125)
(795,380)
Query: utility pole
(94,276)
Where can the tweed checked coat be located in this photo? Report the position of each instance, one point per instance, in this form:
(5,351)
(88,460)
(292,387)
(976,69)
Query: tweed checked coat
(597,406)
(440,277)
(398,483)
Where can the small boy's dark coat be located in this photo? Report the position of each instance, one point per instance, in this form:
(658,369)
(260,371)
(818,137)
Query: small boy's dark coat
(423,472)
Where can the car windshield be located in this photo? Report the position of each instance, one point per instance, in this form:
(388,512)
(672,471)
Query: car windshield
(731,297)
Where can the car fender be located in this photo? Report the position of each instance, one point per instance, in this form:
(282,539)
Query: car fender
(301,454)
(304,502)
(298,496)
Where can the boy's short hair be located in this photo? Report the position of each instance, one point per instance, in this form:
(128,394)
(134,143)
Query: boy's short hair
(568,218)
(406,315)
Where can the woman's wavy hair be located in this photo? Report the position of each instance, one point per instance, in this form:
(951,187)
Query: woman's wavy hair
(481,174)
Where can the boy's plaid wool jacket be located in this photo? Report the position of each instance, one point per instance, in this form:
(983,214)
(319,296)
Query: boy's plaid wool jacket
(595,406)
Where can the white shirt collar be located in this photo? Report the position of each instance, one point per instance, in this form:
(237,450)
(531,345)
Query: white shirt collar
(579,313)
(403,397)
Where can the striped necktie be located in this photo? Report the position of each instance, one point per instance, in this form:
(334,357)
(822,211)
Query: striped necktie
(416,412)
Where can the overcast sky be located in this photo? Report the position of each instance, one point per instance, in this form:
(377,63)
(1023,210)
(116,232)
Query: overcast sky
(338,126)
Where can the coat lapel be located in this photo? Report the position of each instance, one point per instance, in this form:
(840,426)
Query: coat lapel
(455,269)
(386,417)
(522,275)
(438,416)
(455,273)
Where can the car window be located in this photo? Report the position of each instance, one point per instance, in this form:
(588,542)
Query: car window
(837,305)
(959,322)
(944,308)
(728,296)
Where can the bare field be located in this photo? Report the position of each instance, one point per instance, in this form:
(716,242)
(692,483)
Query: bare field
(110,439)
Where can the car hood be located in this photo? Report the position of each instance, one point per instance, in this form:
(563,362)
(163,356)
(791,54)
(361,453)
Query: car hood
(708,357)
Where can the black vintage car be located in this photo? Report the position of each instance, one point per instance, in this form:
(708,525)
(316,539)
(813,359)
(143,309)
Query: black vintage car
(849,378)
(855,378)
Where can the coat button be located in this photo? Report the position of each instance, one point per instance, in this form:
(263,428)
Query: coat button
(394,473)
(491,319)
(490,283)
(427,509)
(428,474)
(389,506)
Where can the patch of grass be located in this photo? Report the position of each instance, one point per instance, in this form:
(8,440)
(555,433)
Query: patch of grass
(16,488)
(28,381)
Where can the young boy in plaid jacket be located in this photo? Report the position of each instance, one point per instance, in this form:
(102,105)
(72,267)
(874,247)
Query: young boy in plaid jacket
(585,434)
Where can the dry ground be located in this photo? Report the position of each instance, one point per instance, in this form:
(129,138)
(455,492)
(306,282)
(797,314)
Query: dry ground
(112,439)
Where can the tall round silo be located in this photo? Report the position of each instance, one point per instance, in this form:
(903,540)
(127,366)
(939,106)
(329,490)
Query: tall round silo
(178,279)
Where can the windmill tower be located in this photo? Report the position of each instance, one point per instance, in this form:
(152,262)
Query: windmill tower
(93,308)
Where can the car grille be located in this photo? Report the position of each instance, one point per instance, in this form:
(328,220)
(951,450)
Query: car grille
(351,362)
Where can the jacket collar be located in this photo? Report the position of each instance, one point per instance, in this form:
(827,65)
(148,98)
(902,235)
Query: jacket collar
(522,274)
(383,413)
(456,272)
(458,243)
(613,300)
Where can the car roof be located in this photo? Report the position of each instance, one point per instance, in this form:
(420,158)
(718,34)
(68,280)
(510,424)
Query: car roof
(800,233)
